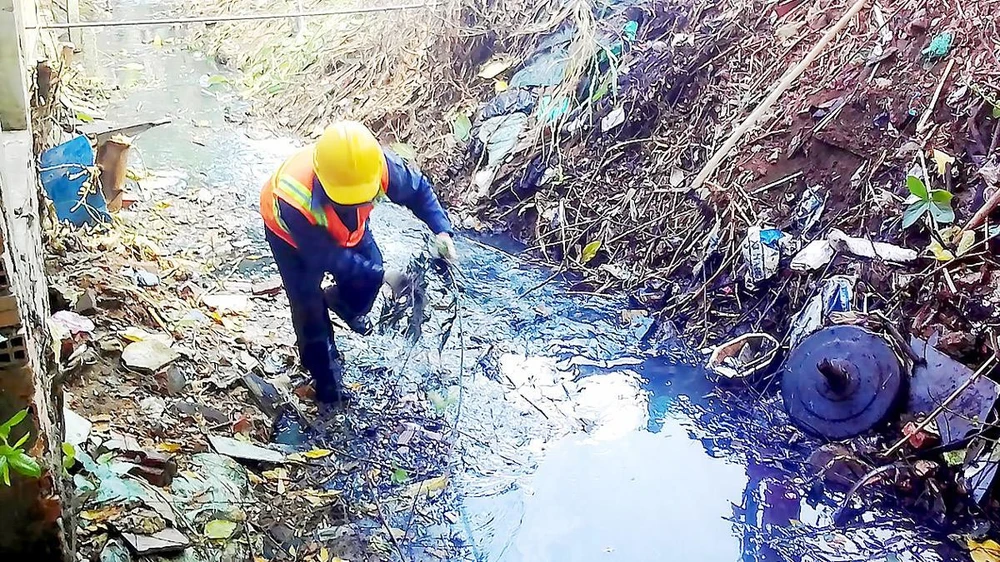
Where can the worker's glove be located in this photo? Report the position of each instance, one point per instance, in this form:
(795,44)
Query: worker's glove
(398,281)
(444,246)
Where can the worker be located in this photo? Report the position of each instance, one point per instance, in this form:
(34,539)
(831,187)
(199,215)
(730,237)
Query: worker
(315,210)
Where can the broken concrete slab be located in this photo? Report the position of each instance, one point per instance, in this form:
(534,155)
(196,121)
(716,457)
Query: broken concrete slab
(167,541)
(148,356)
(245,451)
(934,381)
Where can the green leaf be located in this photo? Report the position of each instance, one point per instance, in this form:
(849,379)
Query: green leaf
(69,456)
(590,251)
(405,151)
(22,440)
(217,79)
(996,112)
(85,117)
(917,187)
(12,423)
(913,213)
(5,470)
(462,127)
(400,476)
(219,529)
(941,196)
(24,464)
(943,214)
(955,458)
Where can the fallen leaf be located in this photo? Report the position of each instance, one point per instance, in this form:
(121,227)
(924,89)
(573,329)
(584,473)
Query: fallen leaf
(462,127)
(954,458)
(943,159)
(219,529)
(317,453)
(986,551)
(590,251)
(500,86)
(940,252)
(399,476)
(242,425)
(429,486)
(276,474)
(324,555)
(101,515)
(965,244)
(168,447)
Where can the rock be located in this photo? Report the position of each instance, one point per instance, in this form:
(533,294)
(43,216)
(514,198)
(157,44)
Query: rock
(171,381)
(152,407)
(148,356)
(86,303)
(244,451)
(77,428)
(211,415)
(268,287)
(167,541)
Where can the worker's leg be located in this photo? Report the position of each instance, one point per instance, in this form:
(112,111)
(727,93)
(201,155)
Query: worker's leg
(313,331)
(354,298)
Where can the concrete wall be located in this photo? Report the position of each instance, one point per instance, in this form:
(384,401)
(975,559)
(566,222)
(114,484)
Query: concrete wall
(31,510)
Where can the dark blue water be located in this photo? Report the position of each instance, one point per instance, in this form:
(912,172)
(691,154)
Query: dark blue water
(585,436)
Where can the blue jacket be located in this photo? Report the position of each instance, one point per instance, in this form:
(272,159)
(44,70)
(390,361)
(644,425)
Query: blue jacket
(407,187)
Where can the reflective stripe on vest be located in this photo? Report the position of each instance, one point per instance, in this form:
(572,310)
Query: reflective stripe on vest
(292,183)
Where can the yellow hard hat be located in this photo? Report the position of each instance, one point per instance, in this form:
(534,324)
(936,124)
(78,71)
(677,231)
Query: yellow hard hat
(349,162)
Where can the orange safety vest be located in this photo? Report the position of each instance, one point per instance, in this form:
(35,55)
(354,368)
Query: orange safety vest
(293,183)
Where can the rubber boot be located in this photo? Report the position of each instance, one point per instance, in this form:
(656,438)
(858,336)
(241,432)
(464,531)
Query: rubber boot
(322,360)
(358,324)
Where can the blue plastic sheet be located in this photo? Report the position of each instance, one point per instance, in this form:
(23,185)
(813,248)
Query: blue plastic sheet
(64,170)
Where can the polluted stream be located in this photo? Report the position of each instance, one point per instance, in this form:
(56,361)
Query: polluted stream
(584,432)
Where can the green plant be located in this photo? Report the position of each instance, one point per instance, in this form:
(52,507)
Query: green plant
(14,456)
(922,201)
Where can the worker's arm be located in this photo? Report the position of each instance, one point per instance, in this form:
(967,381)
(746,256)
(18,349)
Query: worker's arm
(321,251)
(409,188)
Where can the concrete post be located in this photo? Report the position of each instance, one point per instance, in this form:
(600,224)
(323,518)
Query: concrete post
(13,88)
(32,521)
